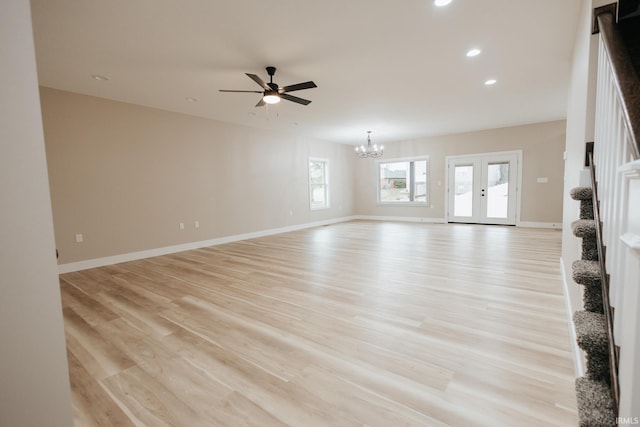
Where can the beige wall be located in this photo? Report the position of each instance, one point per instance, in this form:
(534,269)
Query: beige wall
(34,382)
(542,146)
(125,176)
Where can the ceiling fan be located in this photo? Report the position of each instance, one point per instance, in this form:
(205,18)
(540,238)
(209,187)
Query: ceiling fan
(273,93)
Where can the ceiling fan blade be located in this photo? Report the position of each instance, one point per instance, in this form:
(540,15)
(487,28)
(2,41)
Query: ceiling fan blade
(299,86)
(259,81)
(243,91)
(295,99)
(261,103)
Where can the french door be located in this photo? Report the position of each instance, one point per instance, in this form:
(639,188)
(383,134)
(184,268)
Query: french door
(483,188)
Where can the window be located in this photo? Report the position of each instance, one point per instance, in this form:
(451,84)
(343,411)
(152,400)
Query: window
(404,181)
(318,183)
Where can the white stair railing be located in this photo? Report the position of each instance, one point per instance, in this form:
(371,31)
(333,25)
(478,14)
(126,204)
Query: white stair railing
(617,172)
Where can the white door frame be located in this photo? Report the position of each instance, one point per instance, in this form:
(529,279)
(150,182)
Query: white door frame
(517,153)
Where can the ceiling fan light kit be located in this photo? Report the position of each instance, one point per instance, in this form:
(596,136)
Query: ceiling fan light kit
(272,93)
(271,98)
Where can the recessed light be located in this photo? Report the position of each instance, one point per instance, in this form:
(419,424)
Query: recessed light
(490,82)
(441,3)
(99,77)
(192,99)
(473,52)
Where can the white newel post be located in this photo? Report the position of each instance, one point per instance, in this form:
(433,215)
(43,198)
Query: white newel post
(629,369)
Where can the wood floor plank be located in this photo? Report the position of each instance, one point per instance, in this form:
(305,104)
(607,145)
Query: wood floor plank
(92,405)
(96,352)
(148,401)
(84,305)
(364,404)
(358,323)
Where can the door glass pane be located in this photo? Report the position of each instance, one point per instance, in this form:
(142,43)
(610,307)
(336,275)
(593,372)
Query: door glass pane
(498,191)
(463,187)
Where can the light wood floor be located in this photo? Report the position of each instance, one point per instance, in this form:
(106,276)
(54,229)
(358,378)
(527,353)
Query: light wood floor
(353,324)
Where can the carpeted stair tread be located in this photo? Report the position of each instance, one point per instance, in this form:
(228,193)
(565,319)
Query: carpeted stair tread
(591,335)
(595,404)
(581,193)
(584,228)
(586,272)
(585,195)
(591,331)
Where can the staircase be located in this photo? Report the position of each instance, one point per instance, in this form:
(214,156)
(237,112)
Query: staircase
(596,406)
(608,327)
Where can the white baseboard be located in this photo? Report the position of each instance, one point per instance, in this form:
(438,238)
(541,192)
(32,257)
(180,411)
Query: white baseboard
(400,219)
(132,256)
(577,353)
(556,225)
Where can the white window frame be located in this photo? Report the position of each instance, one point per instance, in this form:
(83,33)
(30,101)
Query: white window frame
(326,205)
(424,203)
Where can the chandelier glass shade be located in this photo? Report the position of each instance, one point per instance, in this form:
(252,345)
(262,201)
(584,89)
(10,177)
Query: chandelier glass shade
(369,150)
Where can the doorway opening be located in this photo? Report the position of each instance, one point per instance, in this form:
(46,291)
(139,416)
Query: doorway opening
(484,188)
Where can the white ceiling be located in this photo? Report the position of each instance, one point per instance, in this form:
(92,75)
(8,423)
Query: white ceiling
(396,67)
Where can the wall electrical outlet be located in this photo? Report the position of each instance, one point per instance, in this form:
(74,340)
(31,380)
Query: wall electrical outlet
(181,226)
(79,238)
(196,224)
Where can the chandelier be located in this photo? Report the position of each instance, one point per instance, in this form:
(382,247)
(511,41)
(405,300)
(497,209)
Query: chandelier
(369,150)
